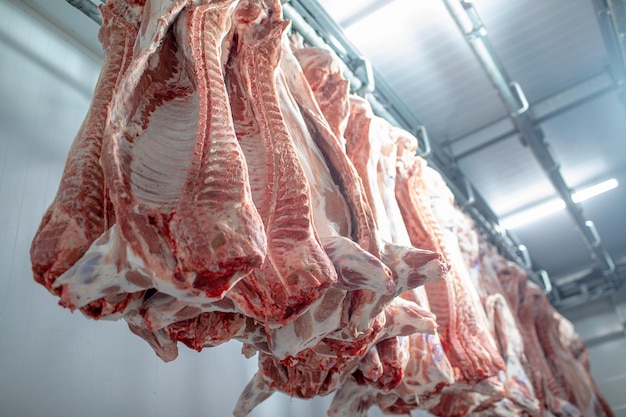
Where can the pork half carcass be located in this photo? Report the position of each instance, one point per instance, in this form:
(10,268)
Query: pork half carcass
(520,293)
(574,380)
(81,211)
(463,325)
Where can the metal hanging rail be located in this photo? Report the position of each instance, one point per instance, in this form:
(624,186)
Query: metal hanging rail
(88,8)
(466,17)
(611,15)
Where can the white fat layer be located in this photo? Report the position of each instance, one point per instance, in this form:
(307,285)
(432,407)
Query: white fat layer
(376,135)
(99,269)
(162,153)
(330,211)
(155,24)
(106,266)
(347,254)
(387,185)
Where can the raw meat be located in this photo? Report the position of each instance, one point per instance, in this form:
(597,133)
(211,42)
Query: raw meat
(406,370)
(80,211)
(327,83)
(296,272)
(323,366)
(225,186)
(402,260)
(546,389)
(571,375)
(504,328)
(363,146)
(195,229)
(463,326)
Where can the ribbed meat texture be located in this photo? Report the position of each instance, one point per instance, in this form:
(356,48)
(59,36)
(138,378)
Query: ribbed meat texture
(571,376)
(170,142)
(339,182)
(471,346)
(342,171)
(218,231)
(331,212)
(110,268)
(344,208)
(386,178)
(223,186)
(429,368)
(77,215)
(411,196)
(403,261)
(504,328)
(479,259)
(296,271)
(537,369)
(463,328)
(573,344)
(396,390)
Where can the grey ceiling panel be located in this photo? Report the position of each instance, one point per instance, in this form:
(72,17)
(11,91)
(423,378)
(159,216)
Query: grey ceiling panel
(545,45)
(420,52)
(561,251)
(508,176)
(590,140)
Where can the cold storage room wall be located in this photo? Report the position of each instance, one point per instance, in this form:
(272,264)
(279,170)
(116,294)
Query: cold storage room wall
(601,324)
(52,362)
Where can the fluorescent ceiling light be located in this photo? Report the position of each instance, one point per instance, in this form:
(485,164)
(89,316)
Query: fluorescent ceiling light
(552,206)
(594,190)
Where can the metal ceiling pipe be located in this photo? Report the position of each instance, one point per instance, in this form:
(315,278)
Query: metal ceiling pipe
(611,15)
(88,8)
(466,17)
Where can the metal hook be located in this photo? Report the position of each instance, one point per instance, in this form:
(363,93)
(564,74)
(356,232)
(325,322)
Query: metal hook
(523,250)
(545,278)
(421,131)
(368,85)
(521,98)
(469,193)
(594,233)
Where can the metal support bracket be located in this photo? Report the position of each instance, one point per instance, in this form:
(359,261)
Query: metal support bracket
(422,134)
(469,192)
(545,278)
(361,64)
(594,233)
(523,250)
(521,98)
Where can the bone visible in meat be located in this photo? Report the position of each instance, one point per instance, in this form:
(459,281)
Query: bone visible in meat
(296,271)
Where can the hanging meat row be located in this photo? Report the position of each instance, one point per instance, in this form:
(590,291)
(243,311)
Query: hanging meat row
(225,185)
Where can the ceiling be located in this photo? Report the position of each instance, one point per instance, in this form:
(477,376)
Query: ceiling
(554,50)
